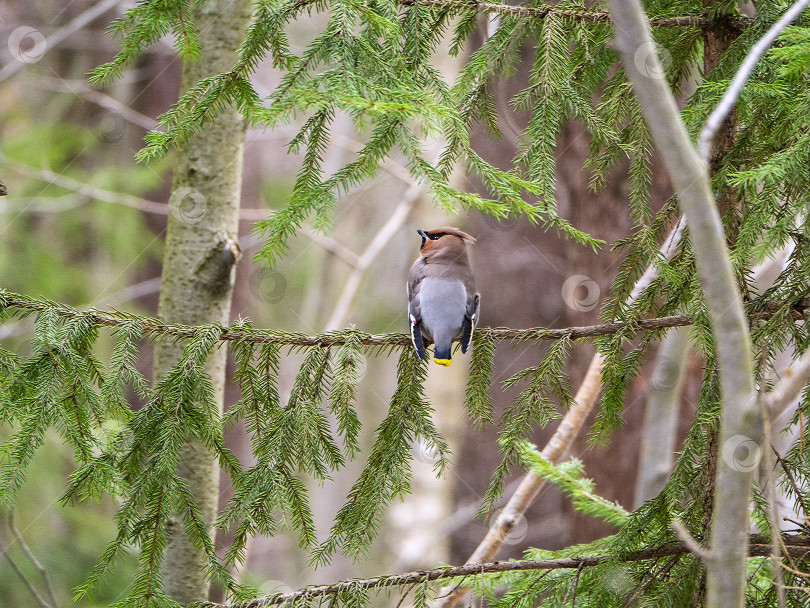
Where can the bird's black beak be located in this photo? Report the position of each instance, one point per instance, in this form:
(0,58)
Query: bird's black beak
(424,236)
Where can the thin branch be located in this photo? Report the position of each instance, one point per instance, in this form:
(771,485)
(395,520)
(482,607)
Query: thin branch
(393,169)
(156,208)
(740,411)
(688,540)
(21,575)
(733,92)
(43,573)
(792,481)
(380,241)
(64,32)
(798,546)
(108,196)
(333,246)
(788,389)
(80,87)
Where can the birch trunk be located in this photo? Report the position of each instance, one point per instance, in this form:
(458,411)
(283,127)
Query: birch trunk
(199,266)
(726,564)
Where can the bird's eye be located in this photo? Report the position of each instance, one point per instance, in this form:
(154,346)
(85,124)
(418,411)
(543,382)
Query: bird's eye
(436,237)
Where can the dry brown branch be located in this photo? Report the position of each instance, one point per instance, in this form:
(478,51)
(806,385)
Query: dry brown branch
(262,336)
(796,546)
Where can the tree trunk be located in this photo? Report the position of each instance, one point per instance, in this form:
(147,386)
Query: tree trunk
(199,266)
(661,416)
(726,563)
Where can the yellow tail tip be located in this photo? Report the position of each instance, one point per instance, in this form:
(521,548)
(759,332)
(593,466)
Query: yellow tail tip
(444,362)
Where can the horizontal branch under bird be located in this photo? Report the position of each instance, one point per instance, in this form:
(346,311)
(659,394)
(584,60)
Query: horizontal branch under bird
(247,334)
(794,545)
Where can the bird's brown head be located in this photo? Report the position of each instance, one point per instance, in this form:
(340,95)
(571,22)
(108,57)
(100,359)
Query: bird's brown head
(446,239)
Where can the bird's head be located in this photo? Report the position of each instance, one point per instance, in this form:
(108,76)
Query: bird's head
(440,239)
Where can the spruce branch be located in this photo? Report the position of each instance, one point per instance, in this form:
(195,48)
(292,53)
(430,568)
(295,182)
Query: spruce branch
(532,483)
(530,12)
(795,546)
(239,332)
(731,95)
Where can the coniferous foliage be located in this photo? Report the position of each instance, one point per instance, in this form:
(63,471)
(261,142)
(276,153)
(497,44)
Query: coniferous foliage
(372,62)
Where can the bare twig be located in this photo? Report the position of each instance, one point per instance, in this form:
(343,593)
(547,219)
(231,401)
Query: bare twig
(334,247)
(688,540)
(400,214)
(21,575)
(793,380)
(792,481)
(80,87)
(64,32)
(107,196)
(729,99)
(43,573)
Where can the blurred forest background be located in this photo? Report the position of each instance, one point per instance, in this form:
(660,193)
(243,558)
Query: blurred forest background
(84,224)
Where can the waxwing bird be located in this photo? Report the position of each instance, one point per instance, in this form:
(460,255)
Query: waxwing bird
(442,302)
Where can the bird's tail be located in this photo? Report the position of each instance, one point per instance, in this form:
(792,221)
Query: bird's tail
(441,355)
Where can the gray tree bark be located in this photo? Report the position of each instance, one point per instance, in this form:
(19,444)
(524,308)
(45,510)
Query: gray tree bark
(661,416)
(199,265)
(726,562)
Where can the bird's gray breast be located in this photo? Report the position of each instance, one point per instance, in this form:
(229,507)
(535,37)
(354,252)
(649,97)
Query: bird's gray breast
(443,304)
